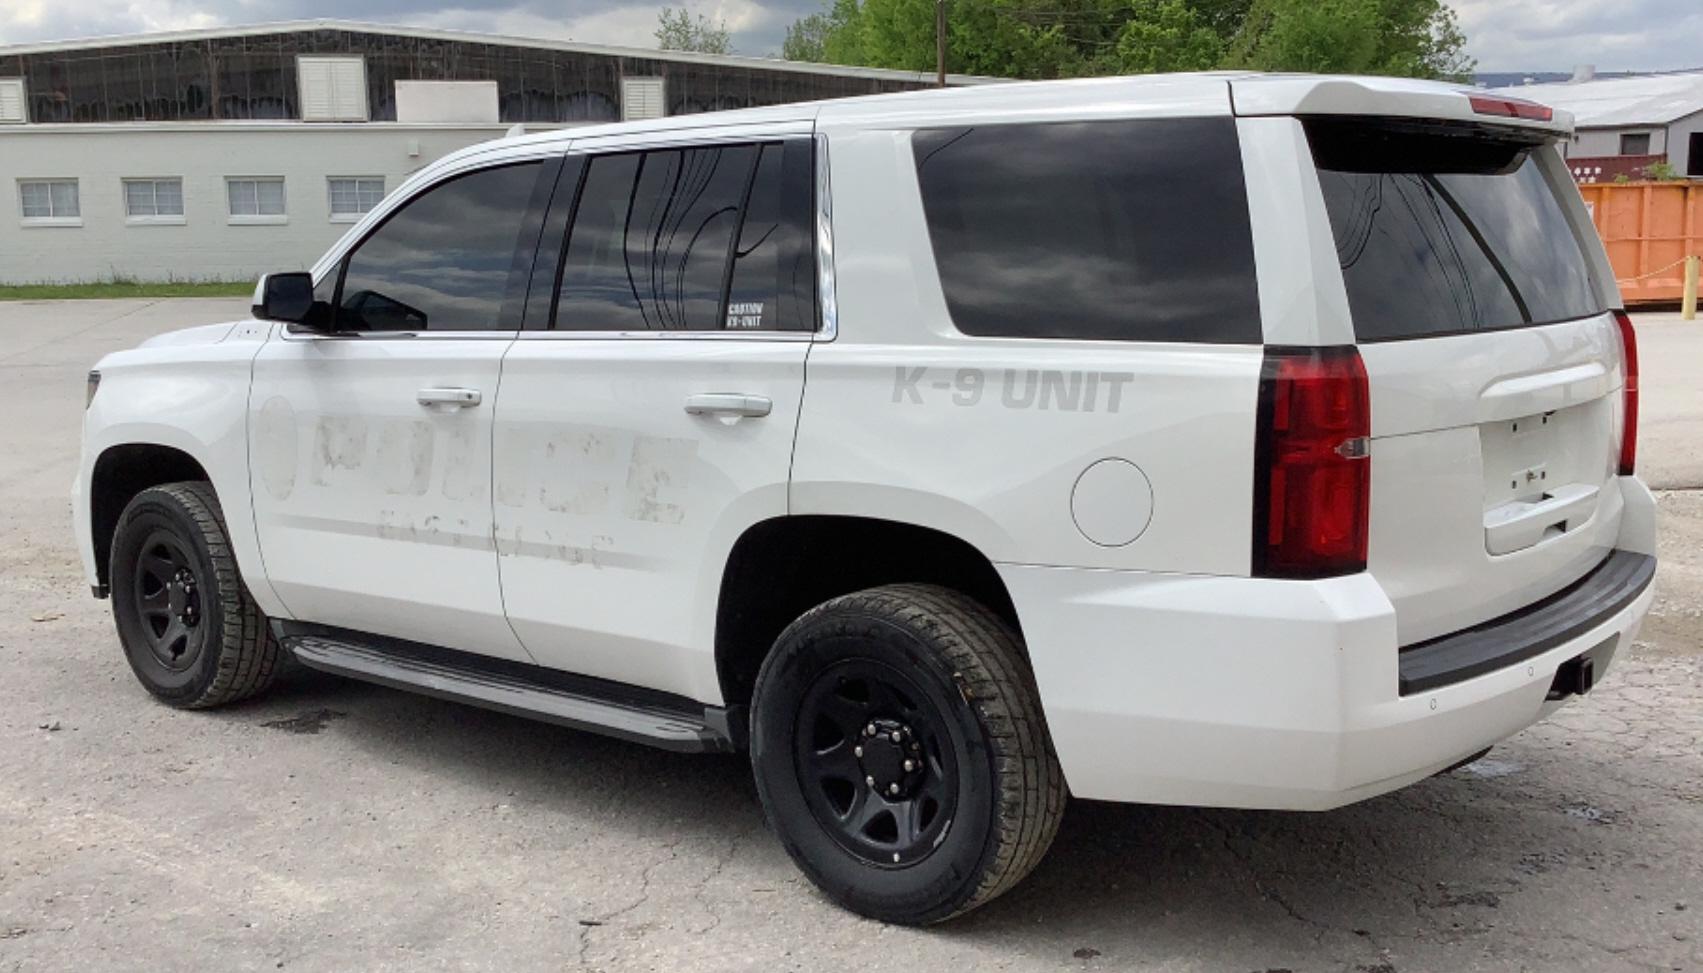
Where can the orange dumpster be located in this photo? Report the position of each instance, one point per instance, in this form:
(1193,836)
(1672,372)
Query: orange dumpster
(1649,229)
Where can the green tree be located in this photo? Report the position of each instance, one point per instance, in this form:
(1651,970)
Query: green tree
(834,36)
(807,39)
(1061,38)
(1412,38)
(1167,36)
(677,30)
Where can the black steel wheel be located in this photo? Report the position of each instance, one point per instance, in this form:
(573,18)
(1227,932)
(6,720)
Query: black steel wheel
(901,755)
(878,760)
(190,630)
(167,593)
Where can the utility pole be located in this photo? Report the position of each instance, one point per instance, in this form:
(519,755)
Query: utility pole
(940,43)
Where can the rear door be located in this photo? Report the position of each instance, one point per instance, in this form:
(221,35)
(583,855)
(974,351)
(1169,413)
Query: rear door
(650,420)
(1493,361)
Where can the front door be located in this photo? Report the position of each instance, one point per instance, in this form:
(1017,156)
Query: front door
(371,445)
(639,436)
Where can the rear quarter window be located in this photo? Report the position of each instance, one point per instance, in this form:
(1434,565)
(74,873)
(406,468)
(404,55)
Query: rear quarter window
(1444,229)
(1133,230)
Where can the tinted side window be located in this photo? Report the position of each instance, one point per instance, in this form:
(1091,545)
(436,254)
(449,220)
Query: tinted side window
(442,262)
(1132,230)
(651,240)
(773,286)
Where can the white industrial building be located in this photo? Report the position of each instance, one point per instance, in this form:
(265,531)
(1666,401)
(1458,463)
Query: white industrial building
(1624,124)
(220,154)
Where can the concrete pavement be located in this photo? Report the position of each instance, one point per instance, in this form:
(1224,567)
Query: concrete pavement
(336,826)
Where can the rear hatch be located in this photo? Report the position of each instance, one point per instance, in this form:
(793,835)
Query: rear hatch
(1492,357)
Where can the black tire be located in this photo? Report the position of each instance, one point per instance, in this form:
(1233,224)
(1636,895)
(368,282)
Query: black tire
(940,678)
(190,631)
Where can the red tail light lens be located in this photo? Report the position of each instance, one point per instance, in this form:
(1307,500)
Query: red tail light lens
(1531,111)
(1313,468)
(1628,428)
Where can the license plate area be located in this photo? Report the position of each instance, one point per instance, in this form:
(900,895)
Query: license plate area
(1542,474)
(1519,455)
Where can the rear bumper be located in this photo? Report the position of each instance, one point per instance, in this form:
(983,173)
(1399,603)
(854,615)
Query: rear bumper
(1248,692)
(1533,630)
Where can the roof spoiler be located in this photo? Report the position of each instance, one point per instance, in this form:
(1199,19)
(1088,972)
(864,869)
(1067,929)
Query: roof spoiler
(1390,97)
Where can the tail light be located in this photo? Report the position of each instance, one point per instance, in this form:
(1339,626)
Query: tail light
(1313,468)
(1629,425)
(1531,111)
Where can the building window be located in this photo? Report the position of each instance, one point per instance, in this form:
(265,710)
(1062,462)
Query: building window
(353,196)
(333,89)
(49,202)
(642,98)
(256,200)
(12,100)
(153,200)
(1635,143)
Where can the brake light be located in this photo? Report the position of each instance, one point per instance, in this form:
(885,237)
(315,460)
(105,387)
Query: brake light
(1629,412)
(1312,464)
(1531,111)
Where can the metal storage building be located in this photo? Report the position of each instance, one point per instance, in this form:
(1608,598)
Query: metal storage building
(1624,124)
(220,153)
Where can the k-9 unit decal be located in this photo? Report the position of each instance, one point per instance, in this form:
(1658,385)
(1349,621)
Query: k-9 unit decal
(1014,388)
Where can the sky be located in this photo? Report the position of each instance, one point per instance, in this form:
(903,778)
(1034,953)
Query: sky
(1504,35)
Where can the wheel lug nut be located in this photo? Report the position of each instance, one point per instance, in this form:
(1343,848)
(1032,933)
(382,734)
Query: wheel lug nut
(892,788)
(910,765)
(916,746)
(870,781)
(894,736)
(857,751)
(895,856)
(869,730)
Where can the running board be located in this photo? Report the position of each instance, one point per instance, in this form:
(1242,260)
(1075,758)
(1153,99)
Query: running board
(516,688)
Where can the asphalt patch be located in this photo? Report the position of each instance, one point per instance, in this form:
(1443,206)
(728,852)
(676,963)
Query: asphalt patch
(308,721)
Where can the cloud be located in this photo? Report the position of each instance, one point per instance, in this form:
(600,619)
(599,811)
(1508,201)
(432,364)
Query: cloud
(1505,35)
(1555,35)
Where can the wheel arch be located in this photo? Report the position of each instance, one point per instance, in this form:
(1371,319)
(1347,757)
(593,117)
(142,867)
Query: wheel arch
(781,567)
(119,473)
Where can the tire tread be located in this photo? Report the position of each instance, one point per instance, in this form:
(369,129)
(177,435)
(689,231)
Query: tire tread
(989,665)
(248,655)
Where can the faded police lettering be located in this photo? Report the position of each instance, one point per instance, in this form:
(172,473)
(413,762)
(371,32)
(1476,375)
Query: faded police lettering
(1017,388)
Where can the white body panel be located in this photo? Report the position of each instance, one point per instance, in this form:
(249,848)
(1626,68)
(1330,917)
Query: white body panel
(373,509)
(1456,422)
(187,390)
(615,509)
(1245,692)
(909,419)
(1111,484)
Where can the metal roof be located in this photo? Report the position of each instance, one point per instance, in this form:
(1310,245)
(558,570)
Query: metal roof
(473,37)
(1654,99)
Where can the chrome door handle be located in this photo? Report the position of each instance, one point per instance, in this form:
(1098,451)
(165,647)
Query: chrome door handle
(728,404)
(448,398)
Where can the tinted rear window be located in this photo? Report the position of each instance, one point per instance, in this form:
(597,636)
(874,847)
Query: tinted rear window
(1131,230)
(1443,230)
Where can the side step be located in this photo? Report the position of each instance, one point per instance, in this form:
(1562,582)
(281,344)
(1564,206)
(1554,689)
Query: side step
(523,690)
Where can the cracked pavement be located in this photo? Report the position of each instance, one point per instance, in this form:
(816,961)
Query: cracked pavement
(333,825)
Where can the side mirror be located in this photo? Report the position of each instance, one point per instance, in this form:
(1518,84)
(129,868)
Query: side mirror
(284,297)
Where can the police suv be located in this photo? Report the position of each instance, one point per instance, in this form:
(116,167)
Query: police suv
(1233,440)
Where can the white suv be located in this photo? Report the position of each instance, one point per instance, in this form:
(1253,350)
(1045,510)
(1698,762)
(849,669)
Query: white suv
(1234,440)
